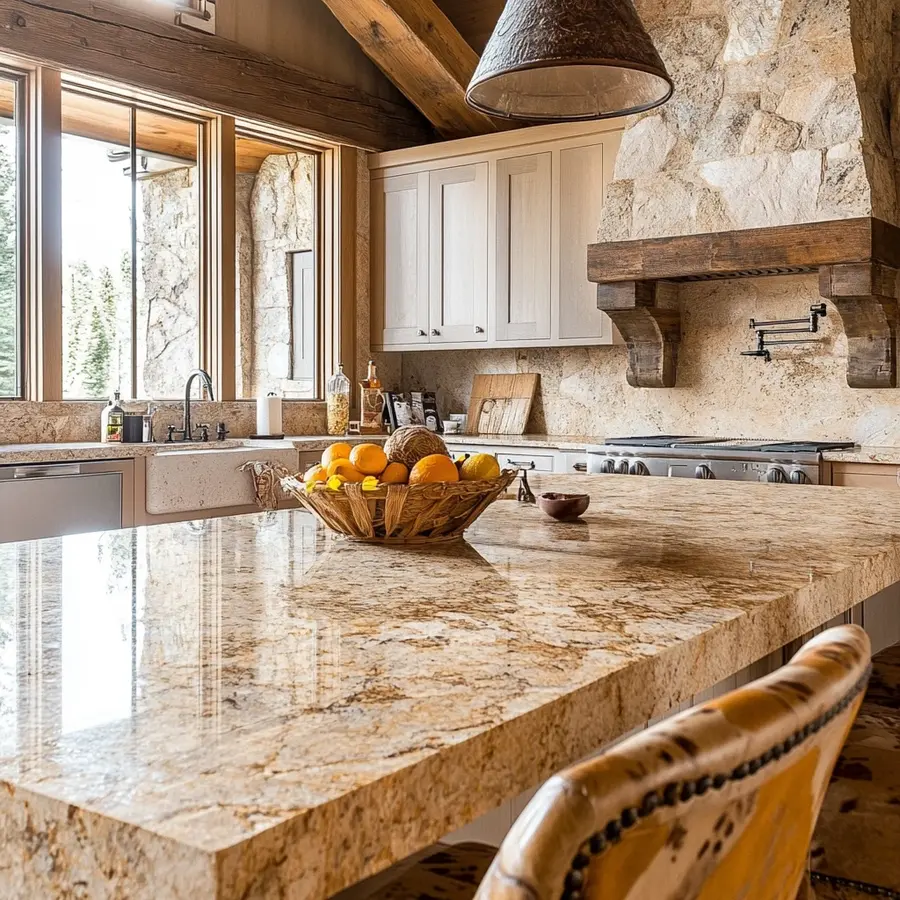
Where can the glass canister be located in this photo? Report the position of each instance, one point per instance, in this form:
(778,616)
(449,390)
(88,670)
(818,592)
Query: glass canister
(337,401)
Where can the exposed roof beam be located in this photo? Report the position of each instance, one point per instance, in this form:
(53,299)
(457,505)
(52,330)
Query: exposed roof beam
(109,42)
(420,50)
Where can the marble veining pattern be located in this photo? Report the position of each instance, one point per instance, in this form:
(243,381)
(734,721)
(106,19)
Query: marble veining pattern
(244,707)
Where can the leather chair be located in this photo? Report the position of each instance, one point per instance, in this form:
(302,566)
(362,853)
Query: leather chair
(718,803)
(856,848)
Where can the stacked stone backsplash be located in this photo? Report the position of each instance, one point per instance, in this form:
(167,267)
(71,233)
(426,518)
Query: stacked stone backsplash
(803,393)
(36,423)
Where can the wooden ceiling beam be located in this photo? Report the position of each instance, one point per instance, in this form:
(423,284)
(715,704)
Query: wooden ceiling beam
(108,42)
(419,49)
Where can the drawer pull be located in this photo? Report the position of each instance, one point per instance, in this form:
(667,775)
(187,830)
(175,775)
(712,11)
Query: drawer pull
(530,465)
(580,467)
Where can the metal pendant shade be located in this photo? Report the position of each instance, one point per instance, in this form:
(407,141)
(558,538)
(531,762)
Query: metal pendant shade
(562,60)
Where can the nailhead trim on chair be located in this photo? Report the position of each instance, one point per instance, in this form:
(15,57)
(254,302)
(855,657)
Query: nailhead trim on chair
(872,889)
(675,793)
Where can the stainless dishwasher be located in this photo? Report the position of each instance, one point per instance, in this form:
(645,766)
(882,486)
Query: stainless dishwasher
(54,499)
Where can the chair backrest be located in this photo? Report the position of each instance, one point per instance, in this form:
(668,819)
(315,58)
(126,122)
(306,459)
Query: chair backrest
(718,803)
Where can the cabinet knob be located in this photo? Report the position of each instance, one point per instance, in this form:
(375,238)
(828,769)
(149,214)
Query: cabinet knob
(479,329)
(435,332)
(421,332)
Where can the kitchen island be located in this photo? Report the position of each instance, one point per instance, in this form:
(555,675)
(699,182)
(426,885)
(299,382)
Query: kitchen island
(245,708)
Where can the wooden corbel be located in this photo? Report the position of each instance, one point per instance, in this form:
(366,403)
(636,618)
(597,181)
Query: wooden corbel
(648,317)
(865,297)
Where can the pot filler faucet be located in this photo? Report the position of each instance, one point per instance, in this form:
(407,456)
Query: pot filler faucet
(187,431)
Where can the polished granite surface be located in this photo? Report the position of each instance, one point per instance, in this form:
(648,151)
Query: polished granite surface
(20,454)
(865,454)
(245,708)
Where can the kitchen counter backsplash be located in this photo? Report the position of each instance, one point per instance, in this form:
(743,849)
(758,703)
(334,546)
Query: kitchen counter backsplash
(801,394)
(37,423)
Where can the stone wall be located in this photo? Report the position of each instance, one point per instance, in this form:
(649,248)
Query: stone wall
(282,220)
(168,289)
(779,117)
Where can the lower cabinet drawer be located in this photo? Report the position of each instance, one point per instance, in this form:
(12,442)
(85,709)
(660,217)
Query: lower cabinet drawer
(532,462)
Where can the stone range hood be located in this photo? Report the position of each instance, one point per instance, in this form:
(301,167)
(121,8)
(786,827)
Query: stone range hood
(858,261)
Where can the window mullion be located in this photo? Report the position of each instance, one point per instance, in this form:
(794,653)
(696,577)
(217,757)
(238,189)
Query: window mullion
(219,337)
(44,224)
(133,164)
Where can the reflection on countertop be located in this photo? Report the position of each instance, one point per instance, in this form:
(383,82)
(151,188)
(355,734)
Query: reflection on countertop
(250,691)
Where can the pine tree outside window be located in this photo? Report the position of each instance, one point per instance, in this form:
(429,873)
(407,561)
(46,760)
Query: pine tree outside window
(131,249)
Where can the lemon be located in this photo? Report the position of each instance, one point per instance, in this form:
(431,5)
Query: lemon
(335,482)
(370,483)
(480,467)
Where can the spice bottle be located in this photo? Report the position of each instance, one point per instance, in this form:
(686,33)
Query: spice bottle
(337,402)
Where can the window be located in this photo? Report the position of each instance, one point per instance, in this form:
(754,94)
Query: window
(140,291)
(131,249)
(11,193)
(277,273)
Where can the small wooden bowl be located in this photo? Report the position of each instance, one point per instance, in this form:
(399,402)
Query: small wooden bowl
(564,507)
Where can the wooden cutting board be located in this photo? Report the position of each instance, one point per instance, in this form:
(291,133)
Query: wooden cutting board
(501,404)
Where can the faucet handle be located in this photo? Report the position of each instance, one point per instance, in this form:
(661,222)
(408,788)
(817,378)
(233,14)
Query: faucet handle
(221,431)
(170,431)
(204,431)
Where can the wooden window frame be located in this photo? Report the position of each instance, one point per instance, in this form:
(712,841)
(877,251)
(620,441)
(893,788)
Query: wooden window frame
(22,79)
(41,231)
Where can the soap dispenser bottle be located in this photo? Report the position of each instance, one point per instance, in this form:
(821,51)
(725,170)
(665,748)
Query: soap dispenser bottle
(112,421)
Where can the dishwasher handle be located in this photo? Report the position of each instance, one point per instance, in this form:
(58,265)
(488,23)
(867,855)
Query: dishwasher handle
(17,473)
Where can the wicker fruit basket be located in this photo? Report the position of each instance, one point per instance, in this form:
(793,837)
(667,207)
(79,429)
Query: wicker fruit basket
(399,513)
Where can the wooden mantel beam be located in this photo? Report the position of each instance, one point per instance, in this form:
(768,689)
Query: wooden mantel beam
(109,42)
(419,49)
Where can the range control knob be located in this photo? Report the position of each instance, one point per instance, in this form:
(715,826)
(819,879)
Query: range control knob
(622,467)
(607,467)
(776,475)
(638,468)
(704,472)
(798,476)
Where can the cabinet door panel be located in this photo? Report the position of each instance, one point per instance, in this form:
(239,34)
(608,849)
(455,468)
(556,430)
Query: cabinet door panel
(400,259)
(524,238)
(458,255)
(581,191)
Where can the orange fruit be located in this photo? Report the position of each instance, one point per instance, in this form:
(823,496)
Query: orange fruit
(335,451)
(370,459)
(346,469)
(314,474)
(434,468)
(395,473)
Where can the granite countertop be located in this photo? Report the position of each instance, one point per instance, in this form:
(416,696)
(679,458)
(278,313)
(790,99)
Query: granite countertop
(20,454)
(246,707)
(865,454)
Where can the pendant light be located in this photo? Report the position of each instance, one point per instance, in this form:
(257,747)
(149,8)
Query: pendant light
(564,60)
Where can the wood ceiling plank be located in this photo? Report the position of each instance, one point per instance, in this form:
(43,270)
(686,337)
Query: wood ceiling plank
(165,135)
(109,42)
(474,19)
(418,48)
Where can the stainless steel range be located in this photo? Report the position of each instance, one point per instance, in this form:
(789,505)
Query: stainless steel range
(673,456)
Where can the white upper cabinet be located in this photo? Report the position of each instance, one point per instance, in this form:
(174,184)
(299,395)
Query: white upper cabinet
(399,265)
(483,241)
(458,255)
(524,247)
(582,172)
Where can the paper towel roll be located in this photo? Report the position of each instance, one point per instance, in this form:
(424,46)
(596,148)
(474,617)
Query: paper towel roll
(268,415)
